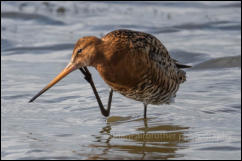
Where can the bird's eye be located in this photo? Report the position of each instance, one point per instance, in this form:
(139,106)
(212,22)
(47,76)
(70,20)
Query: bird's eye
(79,51)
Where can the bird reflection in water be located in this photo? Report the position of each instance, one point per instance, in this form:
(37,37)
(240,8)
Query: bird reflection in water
(154,142)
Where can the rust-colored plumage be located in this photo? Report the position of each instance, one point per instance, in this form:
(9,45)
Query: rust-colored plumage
(135,64)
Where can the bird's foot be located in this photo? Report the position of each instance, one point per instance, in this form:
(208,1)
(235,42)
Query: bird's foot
(87,74)
(88,77)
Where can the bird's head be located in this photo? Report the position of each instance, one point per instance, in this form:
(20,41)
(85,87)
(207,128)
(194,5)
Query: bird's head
(86,53)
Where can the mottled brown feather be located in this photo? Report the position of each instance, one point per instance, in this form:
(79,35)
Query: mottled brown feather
(138,65)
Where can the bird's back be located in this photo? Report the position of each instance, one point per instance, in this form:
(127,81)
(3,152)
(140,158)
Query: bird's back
(145,65)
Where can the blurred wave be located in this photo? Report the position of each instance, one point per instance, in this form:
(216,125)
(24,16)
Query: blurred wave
(36,49)
(39,19)
(220,63)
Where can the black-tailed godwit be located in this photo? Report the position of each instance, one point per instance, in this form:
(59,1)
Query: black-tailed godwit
(135,64)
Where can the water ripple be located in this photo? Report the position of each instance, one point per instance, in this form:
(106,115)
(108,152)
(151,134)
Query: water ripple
(41,19)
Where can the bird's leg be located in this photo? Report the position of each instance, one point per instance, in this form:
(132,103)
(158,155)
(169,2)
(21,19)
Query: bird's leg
(88,78)
(145,110)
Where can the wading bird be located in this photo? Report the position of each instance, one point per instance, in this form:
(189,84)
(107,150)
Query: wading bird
(135,64)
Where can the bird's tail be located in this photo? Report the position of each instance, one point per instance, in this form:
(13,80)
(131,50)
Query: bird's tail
(178,65)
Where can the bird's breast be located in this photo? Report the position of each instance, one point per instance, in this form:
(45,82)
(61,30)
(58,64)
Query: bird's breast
(141,84)
(119,78)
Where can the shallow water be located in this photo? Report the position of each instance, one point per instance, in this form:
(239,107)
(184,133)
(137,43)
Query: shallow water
(65,123)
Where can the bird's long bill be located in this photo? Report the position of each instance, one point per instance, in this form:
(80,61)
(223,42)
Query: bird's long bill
(69,68)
